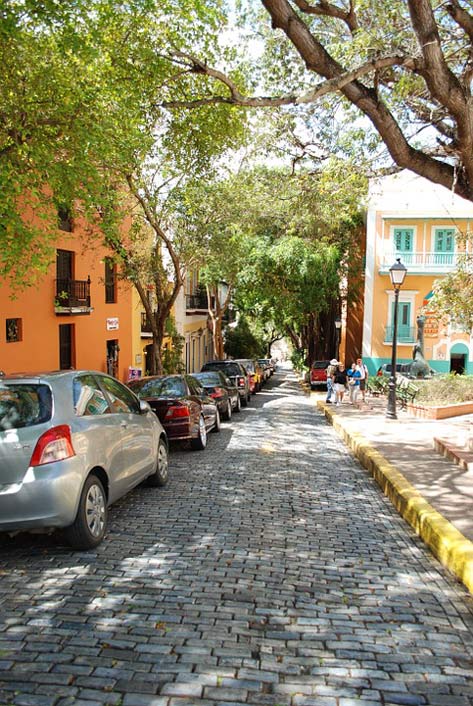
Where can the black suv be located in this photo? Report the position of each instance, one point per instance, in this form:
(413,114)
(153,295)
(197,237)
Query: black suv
(237,374)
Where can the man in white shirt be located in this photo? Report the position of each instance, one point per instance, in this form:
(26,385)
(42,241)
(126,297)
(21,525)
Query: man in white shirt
(363,377)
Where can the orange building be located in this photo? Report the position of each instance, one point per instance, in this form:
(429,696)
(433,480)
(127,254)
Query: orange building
(79,315)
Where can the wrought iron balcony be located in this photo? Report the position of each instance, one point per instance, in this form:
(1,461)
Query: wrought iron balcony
(405,334)
(420,262)
(72,296)
(145,325)
(198,302)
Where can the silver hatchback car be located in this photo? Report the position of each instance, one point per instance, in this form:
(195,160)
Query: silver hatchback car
(71,443)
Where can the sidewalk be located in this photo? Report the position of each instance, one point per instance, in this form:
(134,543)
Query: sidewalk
(431,492)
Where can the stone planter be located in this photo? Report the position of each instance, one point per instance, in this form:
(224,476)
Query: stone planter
(444,412)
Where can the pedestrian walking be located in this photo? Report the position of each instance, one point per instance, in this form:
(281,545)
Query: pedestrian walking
(330,373)
(353,375)
(363,377)
(340,383)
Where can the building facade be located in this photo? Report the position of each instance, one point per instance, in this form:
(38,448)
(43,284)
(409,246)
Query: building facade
(78,315)
(419,222)
(192,321)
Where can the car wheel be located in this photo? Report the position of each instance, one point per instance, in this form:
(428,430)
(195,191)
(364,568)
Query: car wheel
(244,401)
(160,475)
(90,525)
(217,426)
(248,399)
(228,412)
(238,404)
(201,441)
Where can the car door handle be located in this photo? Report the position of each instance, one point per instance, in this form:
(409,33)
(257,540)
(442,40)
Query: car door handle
(123,424)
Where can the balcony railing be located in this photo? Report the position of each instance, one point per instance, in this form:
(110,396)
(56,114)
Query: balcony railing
(198,302)
(405,334)
(145,325)
(72,296)
(421,261)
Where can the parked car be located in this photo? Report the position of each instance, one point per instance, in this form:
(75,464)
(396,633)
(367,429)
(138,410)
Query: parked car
(255,371)
(71,443)
(401,369)
(184,409)
(237,374)
(267,367)
(218,386)
(318,373)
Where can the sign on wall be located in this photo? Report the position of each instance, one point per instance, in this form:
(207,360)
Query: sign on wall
(112,324)
(134,373)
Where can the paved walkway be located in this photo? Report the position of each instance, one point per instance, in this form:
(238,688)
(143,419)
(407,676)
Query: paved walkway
(271,571)
(408,445)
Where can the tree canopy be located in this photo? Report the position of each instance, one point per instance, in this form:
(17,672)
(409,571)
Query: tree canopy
(79,110)
(405,66)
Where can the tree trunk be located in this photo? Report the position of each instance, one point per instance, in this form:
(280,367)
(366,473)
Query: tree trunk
(216,317)
(311,350)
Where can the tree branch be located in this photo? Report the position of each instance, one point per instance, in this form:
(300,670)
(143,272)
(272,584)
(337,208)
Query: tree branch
(442,83)
(329,86)
(461,17)
(327,9)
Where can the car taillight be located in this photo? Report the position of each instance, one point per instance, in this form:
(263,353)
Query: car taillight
(241,382)
(54,445)
(218,392)
(177,411)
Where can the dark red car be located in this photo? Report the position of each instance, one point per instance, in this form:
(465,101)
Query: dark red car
(183,407)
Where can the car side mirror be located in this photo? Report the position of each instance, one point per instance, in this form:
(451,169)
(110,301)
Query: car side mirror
(145,407)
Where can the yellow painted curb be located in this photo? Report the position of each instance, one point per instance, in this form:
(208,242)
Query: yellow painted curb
(449,545)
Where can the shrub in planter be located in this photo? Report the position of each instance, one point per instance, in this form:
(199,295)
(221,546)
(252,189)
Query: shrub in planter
(444,390)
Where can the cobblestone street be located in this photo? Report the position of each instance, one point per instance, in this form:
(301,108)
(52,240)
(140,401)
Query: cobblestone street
(270,570)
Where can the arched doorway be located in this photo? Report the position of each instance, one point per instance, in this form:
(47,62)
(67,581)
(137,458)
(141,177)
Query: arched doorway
(458,358)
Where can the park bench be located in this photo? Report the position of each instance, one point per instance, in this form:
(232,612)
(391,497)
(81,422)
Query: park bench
(377,385)
(406,391)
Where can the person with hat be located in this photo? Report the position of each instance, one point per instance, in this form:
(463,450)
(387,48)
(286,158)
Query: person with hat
(330,373)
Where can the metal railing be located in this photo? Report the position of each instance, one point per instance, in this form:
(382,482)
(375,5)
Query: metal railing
(422,260)
(405,334)
(198,302)
(145,325)
(71,293)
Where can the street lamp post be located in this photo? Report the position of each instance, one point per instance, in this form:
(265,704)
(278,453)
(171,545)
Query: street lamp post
(397,272)
(338,326)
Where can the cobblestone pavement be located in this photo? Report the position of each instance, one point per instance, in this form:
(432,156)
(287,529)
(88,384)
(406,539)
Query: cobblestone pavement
(271,570)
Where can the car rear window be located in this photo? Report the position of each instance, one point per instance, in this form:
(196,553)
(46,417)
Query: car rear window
(228,368)
(321,364)
(159,387)
(24,405)
(209,378)
(249,365)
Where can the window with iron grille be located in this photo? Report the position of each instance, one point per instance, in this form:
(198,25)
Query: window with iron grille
(110,281)
(64,218)
(13,330)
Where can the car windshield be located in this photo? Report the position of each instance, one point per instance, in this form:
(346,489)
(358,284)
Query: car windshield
(24,405)
(320,364)
(210,378)
(158,387)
